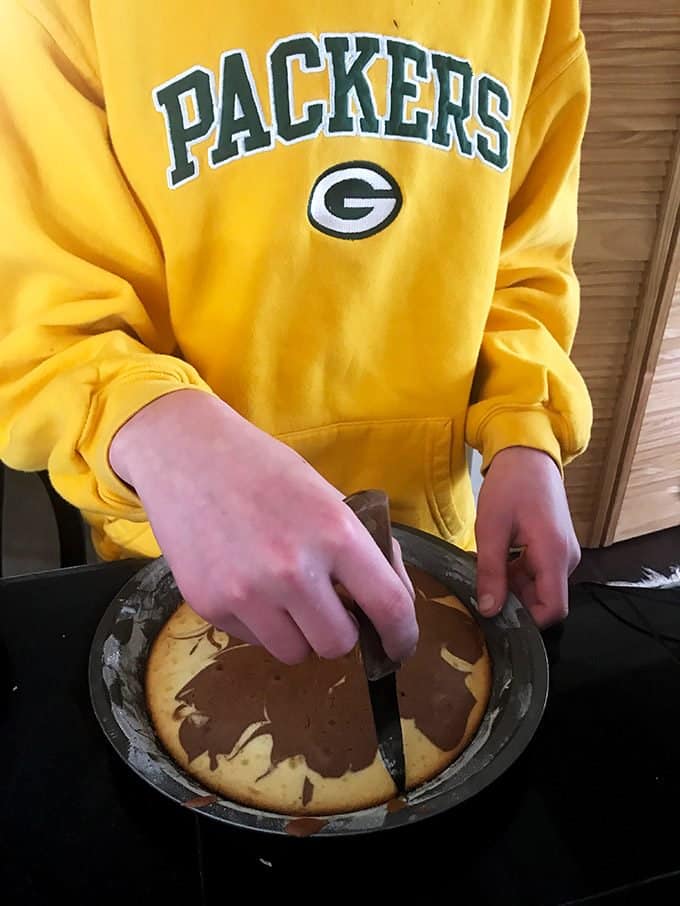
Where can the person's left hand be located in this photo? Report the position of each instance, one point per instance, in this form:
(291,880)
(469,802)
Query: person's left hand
(522,504)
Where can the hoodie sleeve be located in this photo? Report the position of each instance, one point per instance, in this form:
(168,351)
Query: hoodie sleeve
(85,334)
(527,391)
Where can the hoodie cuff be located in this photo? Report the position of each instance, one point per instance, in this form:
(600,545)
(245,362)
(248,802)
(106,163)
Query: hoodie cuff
(519,428)
(112,406)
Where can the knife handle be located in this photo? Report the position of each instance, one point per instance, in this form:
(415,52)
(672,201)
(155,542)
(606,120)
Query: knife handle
(373,511)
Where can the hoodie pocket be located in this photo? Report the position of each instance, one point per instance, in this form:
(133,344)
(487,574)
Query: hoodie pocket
(416,461)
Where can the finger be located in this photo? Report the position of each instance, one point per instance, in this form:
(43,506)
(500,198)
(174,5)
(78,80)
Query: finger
(493,542)
(398,563)
(237,630)
(323,620)
(523,586)
(280,635)
(520,578)
(549,560)
(552,595)
(377,588)
(540,582)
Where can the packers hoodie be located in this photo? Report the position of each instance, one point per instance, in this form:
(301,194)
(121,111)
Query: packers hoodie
(352,221)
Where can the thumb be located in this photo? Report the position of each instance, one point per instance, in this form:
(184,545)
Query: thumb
(493,543)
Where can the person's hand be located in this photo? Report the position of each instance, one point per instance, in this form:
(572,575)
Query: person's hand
(523,504)
(254,536)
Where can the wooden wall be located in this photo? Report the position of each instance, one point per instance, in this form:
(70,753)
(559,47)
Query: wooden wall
(628,155)
(652,496)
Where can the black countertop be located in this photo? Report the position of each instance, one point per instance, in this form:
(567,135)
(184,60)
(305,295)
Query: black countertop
(586,813)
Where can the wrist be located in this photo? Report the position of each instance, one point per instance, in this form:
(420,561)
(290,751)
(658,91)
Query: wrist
(155,423)
(519,456)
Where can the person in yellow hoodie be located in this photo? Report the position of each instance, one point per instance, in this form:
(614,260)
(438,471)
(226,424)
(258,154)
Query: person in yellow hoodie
(256,256)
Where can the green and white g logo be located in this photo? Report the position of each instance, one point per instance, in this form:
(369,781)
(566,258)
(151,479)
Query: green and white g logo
(354,200)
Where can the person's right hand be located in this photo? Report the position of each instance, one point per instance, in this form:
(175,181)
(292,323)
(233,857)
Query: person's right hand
(254,536)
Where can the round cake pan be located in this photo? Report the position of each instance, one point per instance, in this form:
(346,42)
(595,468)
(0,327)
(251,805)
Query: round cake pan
(519,691)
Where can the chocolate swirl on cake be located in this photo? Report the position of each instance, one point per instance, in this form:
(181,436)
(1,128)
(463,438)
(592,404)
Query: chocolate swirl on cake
(320,709)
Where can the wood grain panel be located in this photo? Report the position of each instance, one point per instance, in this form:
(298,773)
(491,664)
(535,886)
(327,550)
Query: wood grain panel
(649,76)
(618,150)
(628,153)
(634,40)
(656,300)
(642,123)
(610,56)
(652,498)
(643,88)
(634,172)
(630,107)
(666,23)
(614,239)
(629,8)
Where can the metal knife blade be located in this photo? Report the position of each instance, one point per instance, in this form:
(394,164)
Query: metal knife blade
(372,508)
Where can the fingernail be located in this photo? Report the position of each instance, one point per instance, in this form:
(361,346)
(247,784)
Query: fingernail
(487,604)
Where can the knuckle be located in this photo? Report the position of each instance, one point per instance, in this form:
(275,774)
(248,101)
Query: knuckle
(398,618)
(488,570)
(235,594)
(562,541)
(564,547)
(340,529)
(219,604)
(286,568)
(395,606)
(209,590)
(490,578)
(575,554)
(558,613)
(557,544)
(408,640)
(336,646)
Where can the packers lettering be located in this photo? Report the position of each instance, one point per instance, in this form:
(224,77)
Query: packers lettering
(470,114)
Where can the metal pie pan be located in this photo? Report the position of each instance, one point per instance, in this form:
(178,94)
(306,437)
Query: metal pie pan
(117,667)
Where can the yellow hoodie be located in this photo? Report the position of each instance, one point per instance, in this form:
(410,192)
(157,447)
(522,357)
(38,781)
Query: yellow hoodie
(352,221)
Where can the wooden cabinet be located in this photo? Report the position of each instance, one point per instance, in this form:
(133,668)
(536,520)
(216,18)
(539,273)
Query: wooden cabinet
(628,260)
